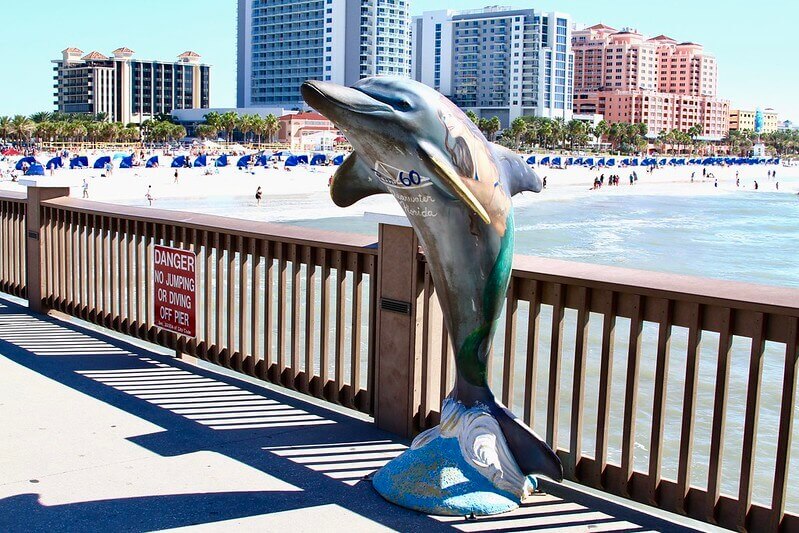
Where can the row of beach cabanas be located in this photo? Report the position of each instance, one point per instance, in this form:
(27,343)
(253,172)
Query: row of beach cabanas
(558,161)
(36,168)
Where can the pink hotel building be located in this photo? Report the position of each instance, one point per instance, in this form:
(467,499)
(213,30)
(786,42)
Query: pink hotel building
(662,83)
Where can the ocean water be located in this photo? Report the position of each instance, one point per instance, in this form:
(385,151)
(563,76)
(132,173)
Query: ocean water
(724,233)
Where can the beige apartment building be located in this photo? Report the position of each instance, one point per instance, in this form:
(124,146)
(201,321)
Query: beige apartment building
(741,119)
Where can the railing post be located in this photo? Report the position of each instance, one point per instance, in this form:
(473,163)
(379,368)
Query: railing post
(399,315)
(34,252)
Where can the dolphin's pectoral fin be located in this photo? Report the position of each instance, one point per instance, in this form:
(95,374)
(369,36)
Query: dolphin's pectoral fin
(449,178)
(518,175)
(354,181)
(533,455)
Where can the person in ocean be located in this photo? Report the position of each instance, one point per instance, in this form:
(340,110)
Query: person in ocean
(258,196)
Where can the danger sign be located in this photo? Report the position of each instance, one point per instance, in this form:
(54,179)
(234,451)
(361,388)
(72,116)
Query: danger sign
(174,272)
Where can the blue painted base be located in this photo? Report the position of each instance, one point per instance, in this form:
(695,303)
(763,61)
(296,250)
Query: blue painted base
(435,479)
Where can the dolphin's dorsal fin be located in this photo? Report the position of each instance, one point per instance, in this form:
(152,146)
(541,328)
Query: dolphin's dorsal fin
(518,175)
(354,181)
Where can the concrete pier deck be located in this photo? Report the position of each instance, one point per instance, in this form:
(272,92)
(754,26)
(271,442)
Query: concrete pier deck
(97,434)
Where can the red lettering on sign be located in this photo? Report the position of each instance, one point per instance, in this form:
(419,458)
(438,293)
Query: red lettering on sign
(175,290)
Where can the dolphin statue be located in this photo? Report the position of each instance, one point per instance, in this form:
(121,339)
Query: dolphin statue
(455,188)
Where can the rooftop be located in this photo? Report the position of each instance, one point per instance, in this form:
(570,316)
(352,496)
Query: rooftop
(94,55)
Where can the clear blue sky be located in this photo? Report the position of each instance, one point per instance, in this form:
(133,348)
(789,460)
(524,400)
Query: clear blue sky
(754,42)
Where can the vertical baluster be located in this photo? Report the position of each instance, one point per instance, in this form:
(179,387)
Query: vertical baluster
(631,395)
(425,381)
(130,272)
(785,431)
(341,302)
(281,313)
(324,324)
(255,301)
(531,370)
(719,423)
(230,246)
(63,272)
(46,251)
(445,361)
(150,237)
(97,302)
(555,355)
(357,309)
(244,325)
(85,272)
(605,382)
(219,303)
(310,304)
(269,255)
(511,318)
(116,259)
(141,288)
(5,245)
(368,407)
(209,304)
(296,277)
(689,401)
(578,382)
(760,324)
(659,399)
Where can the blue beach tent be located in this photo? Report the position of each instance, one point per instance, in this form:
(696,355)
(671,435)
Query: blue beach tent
(243,161)
(338,160)
(179,161)
(578,161)
(26,160)
(35,169)
(152,162)
(102,162)
(600,162)
(556,161)
(302,159)
(221,161)
(588,161)
(79,162)
(625,161)
(318,159)
(531,160)
(127,162)
(200,161)
(611,162)
(634,162)
(662,162)
(545,160)
(55,162)
(292,161)
(569,161)
(263,160)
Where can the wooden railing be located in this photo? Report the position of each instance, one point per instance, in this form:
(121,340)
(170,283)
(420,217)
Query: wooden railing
(283,304)
(12,243)
(674,391)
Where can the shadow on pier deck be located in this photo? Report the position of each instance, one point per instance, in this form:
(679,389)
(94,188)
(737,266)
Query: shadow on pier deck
(99,434)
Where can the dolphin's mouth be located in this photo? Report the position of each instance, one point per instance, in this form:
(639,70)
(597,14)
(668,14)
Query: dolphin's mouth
(326,97)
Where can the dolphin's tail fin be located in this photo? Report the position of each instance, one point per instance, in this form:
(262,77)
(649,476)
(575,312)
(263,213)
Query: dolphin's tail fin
(533,455)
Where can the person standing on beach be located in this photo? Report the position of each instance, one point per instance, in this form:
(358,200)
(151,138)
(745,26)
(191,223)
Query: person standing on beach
(149,195)
(258,195)
(544,182)
(716,184)
(737,180)
(85,188)
(756,186)
(176,176)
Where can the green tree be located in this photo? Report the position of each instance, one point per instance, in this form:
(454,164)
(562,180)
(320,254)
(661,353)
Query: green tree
(473,116)
(22,127)
(517,130)
(228,122)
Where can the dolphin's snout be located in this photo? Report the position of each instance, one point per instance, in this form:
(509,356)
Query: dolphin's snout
(329,98)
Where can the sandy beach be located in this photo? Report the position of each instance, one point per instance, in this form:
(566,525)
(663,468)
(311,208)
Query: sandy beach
(302,192)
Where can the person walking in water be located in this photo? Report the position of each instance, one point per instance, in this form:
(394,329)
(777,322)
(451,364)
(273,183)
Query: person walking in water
(149,195)
(258,196)
(85,188)
(544,182)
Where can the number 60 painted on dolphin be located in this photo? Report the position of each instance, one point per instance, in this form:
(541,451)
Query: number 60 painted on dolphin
(413,178)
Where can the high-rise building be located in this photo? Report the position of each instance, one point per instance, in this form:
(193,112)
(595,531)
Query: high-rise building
(127,89)
(497,61)
(282,43)
(667,85)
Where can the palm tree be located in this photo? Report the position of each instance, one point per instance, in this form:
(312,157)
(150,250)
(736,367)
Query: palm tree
(41,116)
(271,126)
(257,124)
(600,130)
(5,127)
(228,122)
(473,116)
(576,132)
(517,129)
(205,131)
(22,127)
(245,125)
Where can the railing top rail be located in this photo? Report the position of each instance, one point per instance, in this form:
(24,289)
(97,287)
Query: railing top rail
(733,294)
(12,195)
(220,224)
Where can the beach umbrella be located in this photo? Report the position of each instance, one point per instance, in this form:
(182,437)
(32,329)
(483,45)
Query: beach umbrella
(26,161)
(545,160)
(152,162)
(338,160)
(35,169)
(221,161)
(556,161)
(531,160)
(102,162)
(11,152)
(200,161)
(55,162)
(292,161)
(302,159)
(127,162)
(79,162)
(243,162)
(179,161)
(610,162)
(318,159)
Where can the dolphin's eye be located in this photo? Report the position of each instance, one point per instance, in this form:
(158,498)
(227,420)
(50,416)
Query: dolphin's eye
(403,105)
